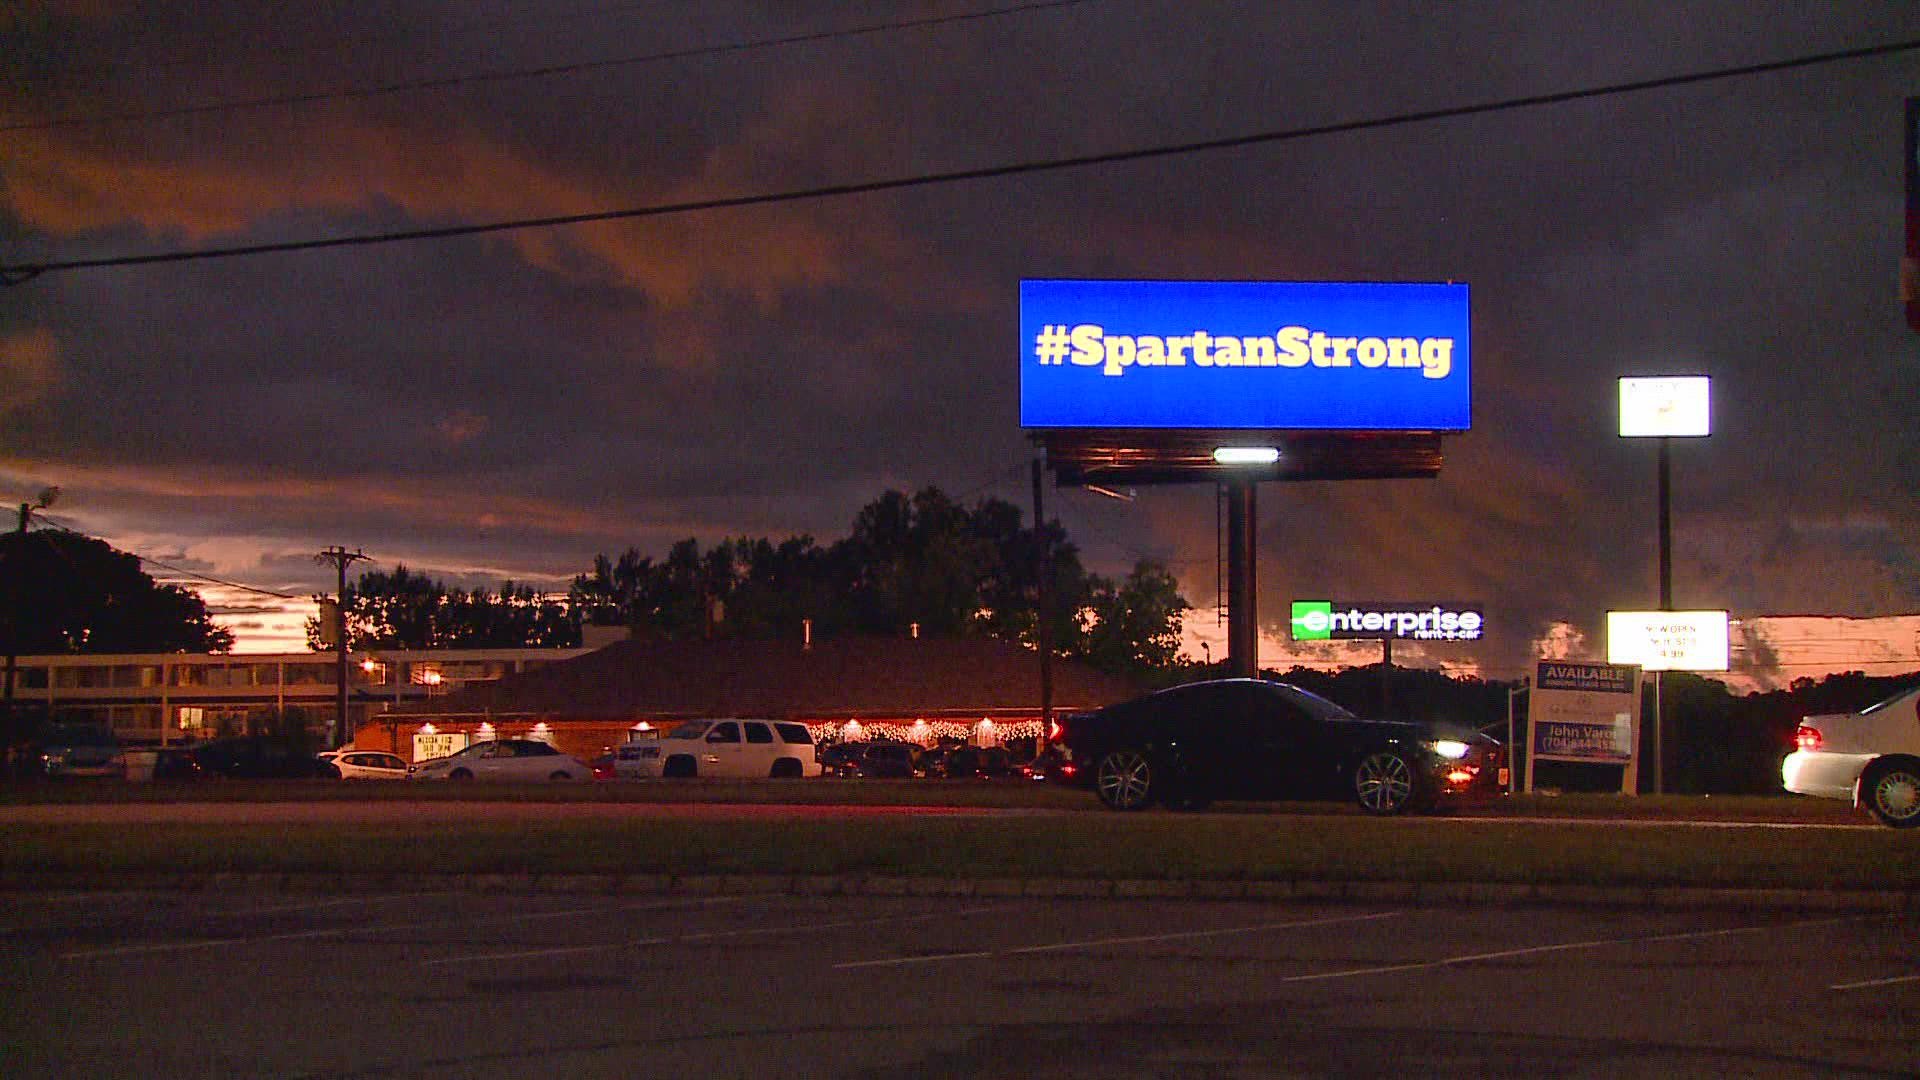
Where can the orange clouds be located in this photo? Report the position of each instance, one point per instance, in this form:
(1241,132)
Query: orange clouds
(29,368)
(71,181)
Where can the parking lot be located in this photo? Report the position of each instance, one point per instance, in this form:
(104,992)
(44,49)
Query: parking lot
(464,984)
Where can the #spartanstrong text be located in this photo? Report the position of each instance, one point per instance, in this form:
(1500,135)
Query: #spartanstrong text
(1088,345)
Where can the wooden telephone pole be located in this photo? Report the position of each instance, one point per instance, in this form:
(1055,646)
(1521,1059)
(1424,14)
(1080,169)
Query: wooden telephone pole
(340,558)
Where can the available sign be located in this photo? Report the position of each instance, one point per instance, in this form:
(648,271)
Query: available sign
(1325,620)
(1383,356)
(1585,712)
(1668,640)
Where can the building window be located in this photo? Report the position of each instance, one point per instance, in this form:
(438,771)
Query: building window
(136,675)
(309,674)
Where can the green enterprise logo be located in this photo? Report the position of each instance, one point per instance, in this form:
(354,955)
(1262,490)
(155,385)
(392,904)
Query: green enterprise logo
(1312,620)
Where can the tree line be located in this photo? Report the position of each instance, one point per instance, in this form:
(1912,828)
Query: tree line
(920,563)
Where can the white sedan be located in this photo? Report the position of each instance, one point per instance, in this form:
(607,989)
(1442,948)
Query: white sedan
(505,759)
(364,765)
(1870,758)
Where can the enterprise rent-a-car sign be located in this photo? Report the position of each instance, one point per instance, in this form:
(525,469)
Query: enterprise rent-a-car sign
(1244,354)
(1347,620)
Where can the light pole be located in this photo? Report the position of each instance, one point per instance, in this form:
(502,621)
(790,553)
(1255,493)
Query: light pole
(1513,764)
(1664,408)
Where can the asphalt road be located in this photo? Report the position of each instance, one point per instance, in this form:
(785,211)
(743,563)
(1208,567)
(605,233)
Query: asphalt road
(459,984)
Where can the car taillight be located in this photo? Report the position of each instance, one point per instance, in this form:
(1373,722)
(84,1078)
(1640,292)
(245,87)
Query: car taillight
(1055,732)
(1806,737)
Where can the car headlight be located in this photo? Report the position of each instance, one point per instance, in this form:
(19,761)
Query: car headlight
(1451,749)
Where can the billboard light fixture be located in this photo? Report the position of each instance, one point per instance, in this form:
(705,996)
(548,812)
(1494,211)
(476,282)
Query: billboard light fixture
(1245,455)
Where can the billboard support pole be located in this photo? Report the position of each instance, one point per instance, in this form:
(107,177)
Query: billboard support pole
(1666,603)
(1243,621)
(1043,609)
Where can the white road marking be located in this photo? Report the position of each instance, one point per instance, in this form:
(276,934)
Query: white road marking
(1094,943)
(1536,950)
(316,904)
(1864,984)
(574,950)
(343,931)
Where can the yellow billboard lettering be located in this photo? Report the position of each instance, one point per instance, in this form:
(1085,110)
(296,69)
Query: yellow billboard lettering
(1087,350)
(1292,341)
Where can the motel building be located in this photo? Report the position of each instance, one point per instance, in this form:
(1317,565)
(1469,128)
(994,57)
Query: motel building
(973,690)
(426,703)
(161,699)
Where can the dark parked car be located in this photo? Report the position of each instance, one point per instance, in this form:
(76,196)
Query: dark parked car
(841,758)
(968,762)
(64,750)
(881,757)
(257,757)
(160,763)
(1248,738)
(888,759)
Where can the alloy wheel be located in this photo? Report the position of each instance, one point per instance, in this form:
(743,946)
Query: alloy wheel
(1383,783)
(1124,780)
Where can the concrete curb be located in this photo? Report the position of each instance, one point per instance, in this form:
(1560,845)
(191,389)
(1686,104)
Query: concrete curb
(1400,893)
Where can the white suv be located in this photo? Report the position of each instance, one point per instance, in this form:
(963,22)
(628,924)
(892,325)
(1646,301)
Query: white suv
(740,748)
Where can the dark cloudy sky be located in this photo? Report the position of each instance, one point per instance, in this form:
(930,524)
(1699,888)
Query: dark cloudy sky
(513,404)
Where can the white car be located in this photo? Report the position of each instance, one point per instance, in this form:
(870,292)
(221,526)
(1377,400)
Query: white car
(738,748)
(1871,758)
(505,759)
(363,765)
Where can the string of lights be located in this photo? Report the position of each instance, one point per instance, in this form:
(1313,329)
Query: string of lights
(57,526)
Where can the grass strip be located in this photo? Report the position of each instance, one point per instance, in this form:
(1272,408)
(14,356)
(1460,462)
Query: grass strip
(998,794)
(1251,847)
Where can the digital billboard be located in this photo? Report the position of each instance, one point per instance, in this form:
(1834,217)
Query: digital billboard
(1354,356)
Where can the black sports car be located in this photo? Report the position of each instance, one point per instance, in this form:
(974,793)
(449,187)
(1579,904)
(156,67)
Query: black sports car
(1251,739)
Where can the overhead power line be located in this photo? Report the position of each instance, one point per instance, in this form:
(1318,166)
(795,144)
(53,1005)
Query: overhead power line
(299,40)
(518,74)
(195,575)
(20,272)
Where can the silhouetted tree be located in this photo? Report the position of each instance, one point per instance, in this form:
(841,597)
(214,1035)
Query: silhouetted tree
(65,593)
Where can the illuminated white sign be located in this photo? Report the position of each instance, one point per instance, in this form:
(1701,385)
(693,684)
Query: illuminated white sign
(1664,406)
(1668,640)
(426,747)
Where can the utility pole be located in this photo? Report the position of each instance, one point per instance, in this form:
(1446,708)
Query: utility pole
(340,558)
(14,589)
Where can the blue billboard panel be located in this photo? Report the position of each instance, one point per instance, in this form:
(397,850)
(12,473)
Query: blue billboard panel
(1355,356)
